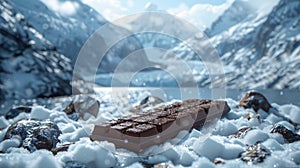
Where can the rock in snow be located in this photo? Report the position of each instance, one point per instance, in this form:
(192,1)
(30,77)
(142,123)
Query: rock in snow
(35,134)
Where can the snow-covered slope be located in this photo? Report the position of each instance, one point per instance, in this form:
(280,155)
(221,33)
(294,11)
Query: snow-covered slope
(30,65)
(261,45)
(66,24)
(69,24)
(238,11)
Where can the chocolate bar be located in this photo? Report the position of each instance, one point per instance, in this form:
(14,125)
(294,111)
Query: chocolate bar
(141,130)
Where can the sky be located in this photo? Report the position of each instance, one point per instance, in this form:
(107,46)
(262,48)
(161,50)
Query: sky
(201,13)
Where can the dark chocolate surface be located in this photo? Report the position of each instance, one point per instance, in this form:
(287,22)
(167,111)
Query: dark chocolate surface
(156,125)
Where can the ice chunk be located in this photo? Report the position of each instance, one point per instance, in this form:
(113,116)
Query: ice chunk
(46,160)
(231,151)
(295,156)
(39,113)
(272,145)
(255,136)
(86,151)
(15,141)
(203,162)
(186,159)
(291,111)
(210,148)
(171,154)
(225,128)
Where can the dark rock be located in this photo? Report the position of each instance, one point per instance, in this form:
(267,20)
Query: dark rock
(249,116)
(254,154)
(35,134)
(242,132)
(151,100)
(287,134)
(62,148)
(255,101)
(15,111)
(81,105)
(218,161)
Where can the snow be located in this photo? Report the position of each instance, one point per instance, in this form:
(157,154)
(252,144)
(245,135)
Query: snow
(272,145)
(192,150)
(3,122)
(291,111)
(295,156)
(254,136)
(40,113)
(13,142)
(91,153)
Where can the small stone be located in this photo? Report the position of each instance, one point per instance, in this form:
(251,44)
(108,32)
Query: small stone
(151,101)
(249,116)
(35,134)
(15,111)
(242,132)
(254,154)
(78,107)
(62,148)
(255,101)
(287,134)
(218,161)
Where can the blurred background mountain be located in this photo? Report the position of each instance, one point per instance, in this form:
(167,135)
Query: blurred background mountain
(258,44)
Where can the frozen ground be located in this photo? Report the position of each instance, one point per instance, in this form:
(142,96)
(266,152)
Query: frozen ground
(193,150)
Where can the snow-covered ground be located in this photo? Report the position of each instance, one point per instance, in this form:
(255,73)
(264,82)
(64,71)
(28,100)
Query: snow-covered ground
(193,150)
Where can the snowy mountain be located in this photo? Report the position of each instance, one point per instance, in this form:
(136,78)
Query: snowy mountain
(69,24)
(41,40)
(30,65)
(165,30)
(260,46)
(66,27)
(238,11)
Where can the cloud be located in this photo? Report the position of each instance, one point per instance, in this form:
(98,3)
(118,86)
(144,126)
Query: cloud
(110,9)
(201,15)
(64,8)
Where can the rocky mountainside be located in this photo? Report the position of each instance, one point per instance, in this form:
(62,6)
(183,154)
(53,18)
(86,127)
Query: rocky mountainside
(261,45)
(66,27)
(30,65)
(41,40)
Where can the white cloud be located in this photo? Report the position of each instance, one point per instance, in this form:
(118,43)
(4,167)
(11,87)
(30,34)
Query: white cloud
(110,9)
(64,8)
(130,3)
(201,15)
